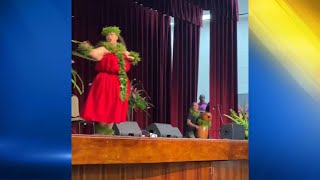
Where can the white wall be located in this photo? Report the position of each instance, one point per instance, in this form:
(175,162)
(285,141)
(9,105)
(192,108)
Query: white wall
(243,70)
(204,59)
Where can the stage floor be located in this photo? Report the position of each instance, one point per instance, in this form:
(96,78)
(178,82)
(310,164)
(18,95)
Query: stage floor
(119,157)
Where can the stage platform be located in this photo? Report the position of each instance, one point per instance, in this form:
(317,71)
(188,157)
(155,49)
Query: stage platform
(96,157)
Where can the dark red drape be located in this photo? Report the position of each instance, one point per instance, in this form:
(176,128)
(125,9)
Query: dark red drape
(191,10)
(225,8)
(177,8)
(152,39)
(145,31)
(185,70)
(223,69)
(223,56)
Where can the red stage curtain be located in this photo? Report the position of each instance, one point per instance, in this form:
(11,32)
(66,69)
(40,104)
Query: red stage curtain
(223,57)
(180,9)
(185,71)
(223,70)
(225,8)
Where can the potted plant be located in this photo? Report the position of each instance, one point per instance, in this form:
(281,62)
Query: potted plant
(204,122)
(138,99)
(240,118)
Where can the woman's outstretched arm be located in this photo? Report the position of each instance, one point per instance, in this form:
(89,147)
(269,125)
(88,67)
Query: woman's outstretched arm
(95,53)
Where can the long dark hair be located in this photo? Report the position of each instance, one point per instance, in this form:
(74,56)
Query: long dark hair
(121,40)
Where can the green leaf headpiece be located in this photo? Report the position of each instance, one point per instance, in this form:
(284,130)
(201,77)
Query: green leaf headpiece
(110,29)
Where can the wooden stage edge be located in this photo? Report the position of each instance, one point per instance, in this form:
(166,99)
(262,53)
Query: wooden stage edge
(100,149)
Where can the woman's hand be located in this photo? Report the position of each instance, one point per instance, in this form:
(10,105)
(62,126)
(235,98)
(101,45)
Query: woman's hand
(130,58)
(126,53)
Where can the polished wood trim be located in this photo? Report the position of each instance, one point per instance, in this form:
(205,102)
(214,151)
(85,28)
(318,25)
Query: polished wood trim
(214,170)
(238,150)
(98,149)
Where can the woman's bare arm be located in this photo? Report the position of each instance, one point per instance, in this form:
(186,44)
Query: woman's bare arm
(130,58)
(97,53)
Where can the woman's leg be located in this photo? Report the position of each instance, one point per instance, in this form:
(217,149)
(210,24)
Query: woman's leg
(109,125)
(103,128)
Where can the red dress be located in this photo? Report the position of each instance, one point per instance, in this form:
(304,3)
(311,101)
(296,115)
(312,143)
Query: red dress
(103,103)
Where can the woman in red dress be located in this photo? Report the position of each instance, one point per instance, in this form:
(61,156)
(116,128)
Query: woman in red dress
(107,101)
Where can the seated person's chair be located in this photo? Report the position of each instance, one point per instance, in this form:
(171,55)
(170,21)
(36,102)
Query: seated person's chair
(75,114)
(78,124)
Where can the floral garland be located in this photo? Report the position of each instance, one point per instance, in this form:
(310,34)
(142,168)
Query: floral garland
(118,50)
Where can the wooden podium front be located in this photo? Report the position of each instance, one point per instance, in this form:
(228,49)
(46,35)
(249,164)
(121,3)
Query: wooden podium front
(97,157)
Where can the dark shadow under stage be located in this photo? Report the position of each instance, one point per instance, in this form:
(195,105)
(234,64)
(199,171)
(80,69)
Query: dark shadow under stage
(96,157)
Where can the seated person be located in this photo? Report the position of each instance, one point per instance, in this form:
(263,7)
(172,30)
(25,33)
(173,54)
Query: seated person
(191,123)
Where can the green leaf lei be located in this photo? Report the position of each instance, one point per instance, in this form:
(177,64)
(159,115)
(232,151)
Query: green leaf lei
(119,50)
(136,57)
(194,113)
